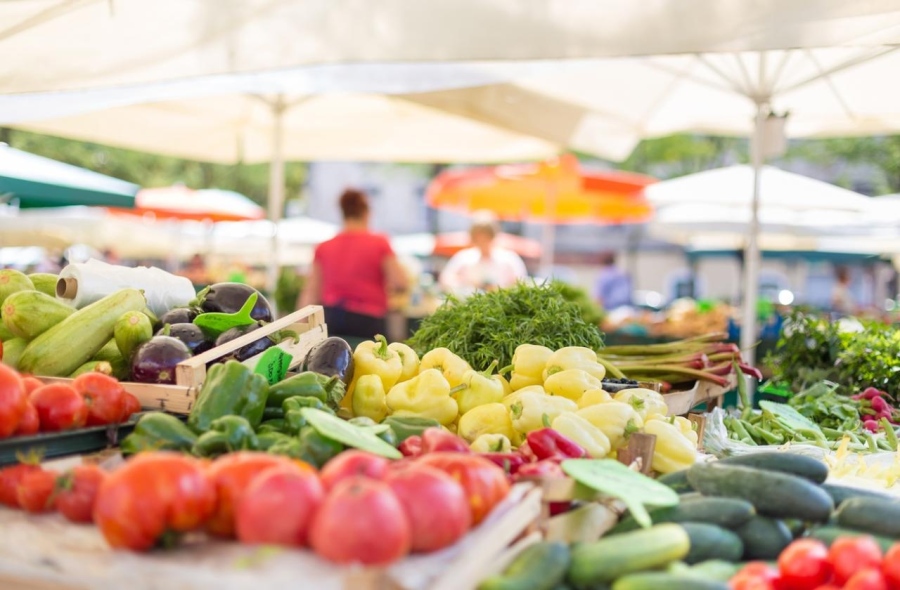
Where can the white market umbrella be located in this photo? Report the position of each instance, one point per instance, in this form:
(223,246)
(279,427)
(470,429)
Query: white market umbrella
(76,44)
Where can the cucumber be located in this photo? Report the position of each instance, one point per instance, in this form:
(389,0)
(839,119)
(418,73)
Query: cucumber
(132,329)
(70,343)
(44,282)
(13,281)
(828,534)
(763,538)
(800,465)
(716,569)
(709,541)
(723,512)
(772,493)
(677,480)
(841,493)
(797,527)
(541,566)
(28,314)
(612,557)
(666,581)
(12,351)
(871,515)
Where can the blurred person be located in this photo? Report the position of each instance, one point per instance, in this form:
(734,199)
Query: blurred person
(613,287)
(353,274)
(841,299)
(483,266)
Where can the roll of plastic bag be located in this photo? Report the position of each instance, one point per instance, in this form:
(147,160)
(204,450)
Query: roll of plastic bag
(81,284)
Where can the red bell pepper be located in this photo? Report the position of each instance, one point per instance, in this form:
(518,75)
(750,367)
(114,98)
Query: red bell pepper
(525,450)
(546,443)
(412,446)
(510,462)
(545,468)
(437,439)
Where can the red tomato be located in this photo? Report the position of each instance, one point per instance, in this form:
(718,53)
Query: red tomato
(828,587)
(131,406)
(59,407)
(30,423)
(484,482)
(420,490)
(77,491)
(31,383)
(848,555)
(104,396)
(36,491)
(278,506)
(804,564)
(361,521)
(153,494)
(352,463)
(756,575)
(10,477)
(890,567)
(230,475)
(869,578)
(13,400)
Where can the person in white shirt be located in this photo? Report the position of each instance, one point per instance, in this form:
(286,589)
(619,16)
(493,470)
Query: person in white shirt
(483,266)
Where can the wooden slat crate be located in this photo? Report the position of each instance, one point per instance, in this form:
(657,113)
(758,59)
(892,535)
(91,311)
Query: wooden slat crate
(703,392)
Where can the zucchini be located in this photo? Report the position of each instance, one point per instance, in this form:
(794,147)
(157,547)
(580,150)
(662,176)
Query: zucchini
(772,493)
(13,281)
(666,581)
(541,566)
(72,342)
(677,480)
(763,538)
(28,314)
(870,515)
(709,541)
(800,465)
(841,493)
(131,330)
(107,352)
(93,366)
(5,334)
(723,512)
(716,569)
(828,534)
(12,351)
(612,557)
(44,282)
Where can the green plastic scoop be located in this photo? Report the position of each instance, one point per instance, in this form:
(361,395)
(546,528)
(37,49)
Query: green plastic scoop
(214,323)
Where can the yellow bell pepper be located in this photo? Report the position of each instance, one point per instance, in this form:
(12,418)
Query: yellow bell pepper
(673,451)
(507,389)
(479,388)
(487,419)
(646,402)
(491,443)
(574,357)
(533,411)
(571,383)
(513,397)
(528,364)
(409,360)
(451,366)
(617,420)
(686,428)
(369,399)
(427,396)
(593,397)
(374,357)
(582,432)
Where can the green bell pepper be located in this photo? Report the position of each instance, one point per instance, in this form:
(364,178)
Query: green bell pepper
(293,418)
(230,389)
(317,449)
(270,413)
(226,435)
(158,431)
(386,434)
(407,426)
(278,425)
(269,439)
(307,384)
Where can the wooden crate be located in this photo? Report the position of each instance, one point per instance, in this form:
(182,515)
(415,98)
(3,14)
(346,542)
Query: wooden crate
(703,392)
(45,552)
(308,323)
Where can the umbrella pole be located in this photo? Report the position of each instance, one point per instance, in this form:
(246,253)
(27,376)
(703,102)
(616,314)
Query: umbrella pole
(751,252)
(276,193)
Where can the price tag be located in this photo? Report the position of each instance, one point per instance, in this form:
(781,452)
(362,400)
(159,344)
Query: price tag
(216,323)
(273,365)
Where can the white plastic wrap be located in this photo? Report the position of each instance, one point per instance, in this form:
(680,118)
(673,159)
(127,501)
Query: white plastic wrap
(85,283)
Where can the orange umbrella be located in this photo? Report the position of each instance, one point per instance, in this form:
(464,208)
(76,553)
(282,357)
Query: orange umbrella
(450,243)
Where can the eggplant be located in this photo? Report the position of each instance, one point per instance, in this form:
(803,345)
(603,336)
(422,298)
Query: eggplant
(189,334)
(333,356)
(178,315)
(231,297)
(248,350)
(154,361)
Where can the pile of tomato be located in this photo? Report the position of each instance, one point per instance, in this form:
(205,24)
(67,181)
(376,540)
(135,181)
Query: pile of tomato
(29,406)
(851,563)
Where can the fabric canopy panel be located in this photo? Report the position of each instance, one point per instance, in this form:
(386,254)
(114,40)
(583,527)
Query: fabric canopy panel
(71,44)
(180,202)
(35,181)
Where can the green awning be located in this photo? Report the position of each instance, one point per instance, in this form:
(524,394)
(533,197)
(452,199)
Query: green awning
(35,181)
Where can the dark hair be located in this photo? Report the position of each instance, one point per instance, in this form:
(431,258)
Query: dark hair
(607,258)
(354,204)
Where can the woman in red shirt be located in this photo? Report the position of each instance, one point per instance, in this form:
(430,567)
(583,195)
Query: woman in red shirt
(352,274)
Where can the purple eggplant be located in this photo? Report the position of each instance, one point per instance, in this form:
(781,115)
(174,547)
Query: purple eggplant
(248,350)
(332,356)
(230,297)
(189,334)
(154,361)
(178,315)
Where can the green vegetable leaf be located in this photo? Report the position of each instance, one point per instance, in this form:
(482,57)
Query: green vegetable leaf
(789,418)
(545,420)
(363,438)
